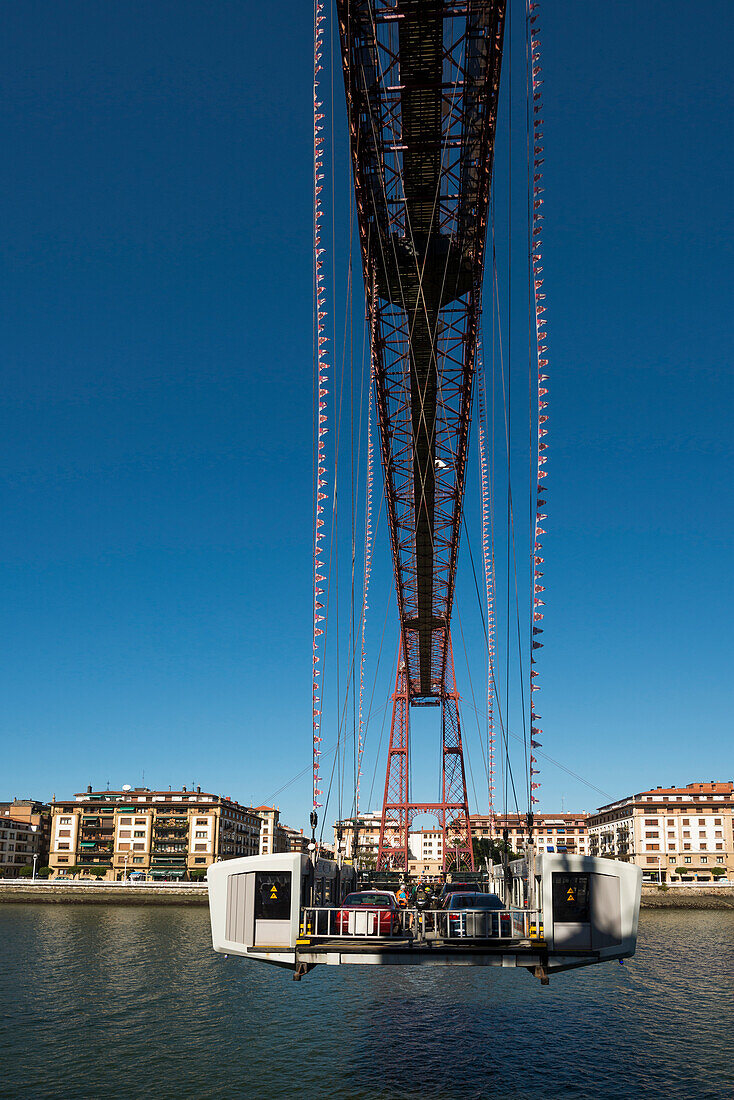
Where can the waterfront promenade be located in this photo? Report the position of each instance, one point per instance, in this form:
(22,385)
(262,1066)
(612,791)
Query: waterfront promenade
(195,893)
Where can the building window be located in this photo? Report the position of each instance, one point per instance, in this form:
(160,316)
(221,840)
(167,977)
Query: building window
(64,847)
(140,821)
(202,821)
(671,859)
(64,832)
(703,846)
(124,832)
(719,847)
(717,821)
(200,847)
(200,833)
(139,847)
(704,859)
(139,832)
(200,859)
(63,859)
(686,847)
(719,859)
(651,859)
(124,847)
(686,821)
(138,859)
(702,821)
(671,847)
(686,859)
(126,821)
(64,821)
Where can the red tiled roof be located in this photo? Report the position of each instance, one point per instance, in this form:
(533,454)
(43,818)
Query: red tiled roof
(693,788)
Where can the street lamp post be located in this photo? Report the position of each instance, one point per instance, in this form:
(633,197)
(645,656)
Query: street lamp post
(35,863)
(126,858)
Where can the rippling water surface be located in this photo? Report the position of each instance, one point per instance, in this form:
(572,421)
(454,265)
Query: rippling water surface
(131,1002)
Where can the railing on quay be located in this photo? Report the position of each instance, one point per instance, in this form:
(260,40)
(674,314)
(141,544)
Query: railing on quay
(339,922)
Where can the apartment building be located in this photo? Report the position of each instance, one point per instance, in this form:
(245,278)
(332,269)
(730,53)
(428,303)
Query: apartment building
(368,837)
(675,834)
(425,846)
(425,852)
(273,836)
(31,812)
(295,839)
(164,834)
(552,832)
(18,845)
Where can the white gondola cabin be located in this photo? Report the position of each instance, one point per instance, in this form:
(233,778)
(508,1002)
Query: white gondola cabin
(570,911)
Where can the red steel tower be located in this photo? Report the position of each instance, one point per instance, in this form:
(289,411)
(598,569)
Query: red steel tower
(422,84)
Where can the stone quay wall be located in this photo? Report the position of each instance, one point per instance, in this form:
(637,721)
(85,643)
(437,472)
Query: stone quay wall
(192,893)
(688,897)
(104,893)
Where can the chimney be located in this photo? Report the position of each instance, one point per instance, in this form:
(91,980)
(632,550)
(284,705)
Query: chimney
(198,790)
(183,790)
(89,788)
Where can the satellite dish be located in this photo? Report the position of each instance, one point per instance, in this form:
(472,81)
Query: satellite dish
(127,787)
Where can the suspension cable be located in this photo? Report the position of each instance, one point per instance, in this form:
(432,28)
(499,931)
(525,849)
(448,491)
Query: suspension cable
(320,404)
(536,257)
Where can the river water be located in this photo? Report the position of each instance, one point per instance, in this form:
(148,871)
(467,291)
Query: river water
(130,1002)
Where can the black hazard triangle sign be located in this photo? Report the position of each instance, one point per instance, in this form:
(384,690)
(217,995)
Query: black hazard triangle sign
(570,896)
(273,892)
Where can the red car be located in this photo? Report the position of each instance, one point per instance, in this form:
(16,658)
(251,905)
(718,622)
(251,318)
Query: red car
(369,913)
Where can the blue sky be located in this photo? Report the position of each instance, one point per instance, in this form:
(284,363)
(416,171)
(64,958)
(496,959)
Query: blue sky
(155,197)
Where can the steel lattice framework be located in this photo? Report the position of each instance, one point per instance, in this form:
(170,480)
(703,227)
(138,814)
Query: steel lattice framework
(422,84)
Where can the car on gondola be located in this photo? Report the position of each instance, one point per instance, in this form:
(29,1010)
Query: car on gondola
(476,916)
(449,888)
(369,912)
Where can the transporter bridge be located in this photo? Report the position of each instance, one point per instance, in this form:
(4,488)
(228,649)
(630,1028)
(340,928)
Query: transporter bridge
(422,86)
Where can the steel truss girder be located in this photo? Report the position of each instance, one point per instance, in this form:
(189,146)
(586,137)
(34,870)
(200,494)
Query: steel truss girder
(398,811)
(422,84)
